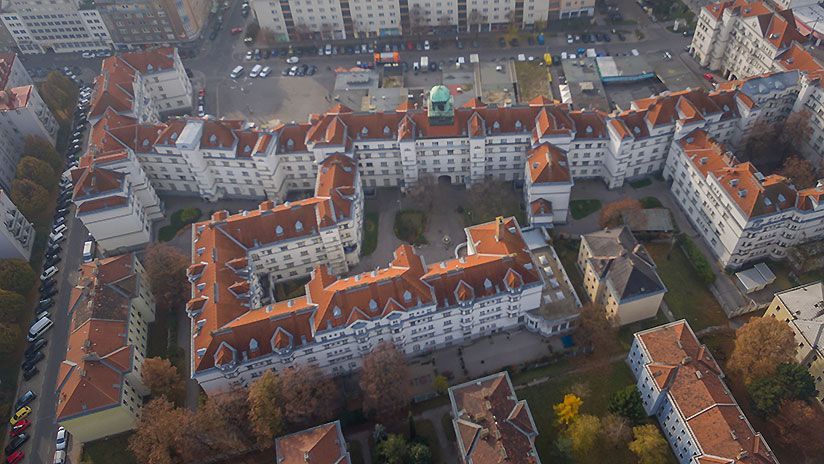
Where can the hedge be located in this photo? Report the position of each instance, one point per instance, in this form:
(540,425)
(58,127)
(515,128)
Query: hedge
(697,259)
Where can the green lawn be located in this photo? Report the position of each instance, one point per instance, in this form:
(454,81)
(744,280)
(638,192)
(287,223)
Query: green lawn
(640,183)
(532,80)
(370,233)
(651,202)
(109,450)
(783,279)
(687,296)
(410,225)
(179,219)
(583,208)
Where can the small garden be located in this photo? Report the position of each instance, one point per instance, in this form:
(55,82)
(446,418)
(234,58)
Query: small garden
(533,80)
(640,183)
(107,450)
(179,219)
(410,225)
(370,233)
(580,209)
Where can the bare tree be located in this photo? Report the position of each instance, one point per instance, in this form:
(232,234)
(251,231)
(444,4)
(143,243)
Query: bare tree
(475,18)
(384,382)
(422,193)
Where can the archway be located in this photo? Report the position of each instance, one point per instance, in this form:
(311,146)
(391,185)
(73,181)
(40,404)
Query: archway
(444,180)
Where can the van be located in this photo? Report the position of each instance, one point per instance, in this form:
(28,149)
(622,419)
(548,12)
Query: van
(237,72)
(255,71)
(48,272)
(39,328)
(88,251)
(59,229)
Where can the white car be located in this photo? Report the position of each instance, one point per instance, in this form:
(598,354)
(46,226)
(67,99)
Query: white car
(426,45)
(265,72)
(292,60)
(61,439)
(50,272)
(249,55)
(570,39)
(87,55)
(59,457)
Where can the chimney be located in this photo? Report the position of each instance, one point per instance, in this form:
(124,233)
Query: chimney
(499,228)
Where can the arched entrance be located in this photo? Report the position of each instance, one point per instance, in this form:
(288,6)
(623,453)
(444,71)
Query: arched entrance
(444,180)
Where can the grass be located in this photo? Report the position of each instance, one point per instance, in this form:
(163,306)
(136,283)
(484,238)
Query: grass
(356,452)
(291,289)
(640,183)
(179,219)
(410,224)
(108,450)
(687,296)
(532,79)
(370,233)
(784,279)
(651,202)
(425,430)
(583,208)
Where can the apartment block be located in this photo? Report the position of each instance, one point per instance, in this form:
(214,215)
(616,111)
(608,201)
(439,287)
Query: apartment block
(683,387)
(741,214)
(491,424)
(165,78)
(153,22)
(323,444)
(802,308)
(22,113)
(620,275)
(12,72)
(99,387)
(16,232)
(59,26)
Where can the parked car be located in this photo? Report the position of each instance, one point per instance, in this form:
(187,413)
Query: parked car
(265,71)
(17,442)
(53,261)
(35,347)
(59,457)
(15,457)
(30,373)
(20,414)
(250,55)
(312,70)
(49,293)
(60,442)
(709,77)
(501,42)
(236,30)
(48,272)
(292,60)
(25,399)
(19,427)
(33,361)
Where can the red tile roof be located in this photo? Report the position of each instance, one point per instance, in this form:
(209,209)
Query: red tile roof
(547,163)
(15,98)
(319,445)
(6,63)
(796,57)
(687,371)
(150,61)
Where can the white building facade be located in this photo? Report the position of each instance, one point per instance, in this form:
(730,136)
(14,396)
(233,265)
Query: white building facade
(61,26)
(16,232)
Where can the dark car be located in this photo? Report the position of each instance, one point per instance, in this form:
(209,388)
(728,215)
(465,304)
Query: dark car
(530,40)
(49,293)
(501,42)
(51,262)
(25,399)
(213,34)
(16,442)
(47,285)
(35,347)
(433,66)
(514,42)
(312,70)
(29,363)
(607,38)
(285,72)
(29,373)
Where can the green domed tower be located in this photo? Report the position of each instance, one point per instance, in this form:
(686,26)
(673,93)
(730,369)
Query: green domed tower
(440,107)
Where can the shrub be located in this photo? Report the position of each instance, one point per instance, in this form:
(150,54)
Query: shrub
(697,259)
(16,276)
(189,215)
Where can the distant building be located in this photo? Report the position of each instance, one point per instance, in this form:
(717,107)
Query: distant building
(620,275)
(16,232)
(99,387)
(323,444)
(60,26)
(12,72)
(683,387)
(491,425)
(153,22)
(22,113)
(802,308)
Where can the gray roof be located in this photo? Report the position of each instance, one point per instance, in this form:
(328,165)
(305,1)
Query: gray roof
(806,304)
(623,262)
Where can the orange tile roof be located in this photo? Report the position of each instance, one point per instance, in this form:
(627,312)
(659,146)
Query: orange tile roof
(540,207)
(98,355)
(113,88)
(547,163)
(743,8)
(15,98)
(796,57)
(94,181)
(6,63)
(151,60)
(492,425)
(319,445)
(686,370)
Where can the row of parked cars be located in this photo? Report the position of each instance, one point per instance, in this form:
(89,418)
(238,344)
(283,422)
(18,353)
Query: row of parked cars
(48,292)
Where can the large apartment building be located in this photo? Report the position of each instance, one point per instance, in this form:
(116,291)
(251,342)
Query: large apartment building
(344,19)
(99,387)
(683,387)
(60,26)
(16,232)
(802,308)
(152,22)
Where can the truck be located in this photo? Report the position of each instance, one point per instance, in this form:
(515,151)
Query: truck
(591,53)
(424,63)
(387,57)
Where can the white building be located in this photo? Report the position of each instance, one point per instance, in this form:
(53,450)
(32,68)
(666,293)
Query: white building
(12,72)
(22,113)
(165,78)
(61,26)
(683,387)
(16,232)
(548,185)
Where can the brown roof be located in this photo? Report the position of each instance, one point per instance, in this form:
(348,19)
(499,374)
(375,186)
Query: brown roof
(319,445)
(6,63)
(15,98)
(491,424)
(547,163)
(685,369)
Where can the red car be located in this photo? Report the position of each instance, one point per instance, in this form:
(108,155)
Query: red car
(19,427)
(15,457)
(410,45)
(236,30)
(201,92)
(709,77)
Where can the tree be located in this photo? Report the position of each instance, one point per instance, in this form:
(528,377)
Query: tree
(795,131)
(760,346)
(649,445)
(42,149)
(308,396)
(595,330)
(799,171)
(440,384)
(393,450)
(798,426)
(166,267)
(796,381)
(384,382)
(492,198)
(616,430)
(252,30)
(761,145)
(16,275)
(10,338)
(419,454)
(627,403)
(265,407)
(159,433)
(31,199)
(267,37)
(217,428)
(37,171)
(163,379)
(567,410)
(422,193)
(584,435)
(766,395)
(613,213)
(12,306)
(59,93)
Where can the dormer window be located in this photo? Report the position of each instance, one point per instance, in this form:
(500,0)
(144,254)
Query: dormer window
(589,130)
(298,226)
(336,312)
(247,149)
(373,305)
(213,139)
(290,144)
(386,130)
(145,142)
(279,230)
(518,125)
(487,283)
(253,345)
(496,125)
(407,296)
(364,131)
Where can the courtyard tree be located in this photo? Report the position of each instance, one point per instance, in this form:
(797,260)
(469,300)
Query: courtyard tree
(31,199)
(395,449)
(422,193)
(491,198)
(794,131)
(16,275)
(613,213)
(267,37)
(766,395)
(760,346)
(649,445)
(799,171)
(309,397)
(12,306)
(584,434)
(163,379)
(384,381)
(799,426)
(616,430)
(252,30)
(627,403)
(567,410)
(440,384)
(10,337)
(159,433)
(166,268)
(596,331)
(265,407)
(217,428)
(796,381)
(37,171)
